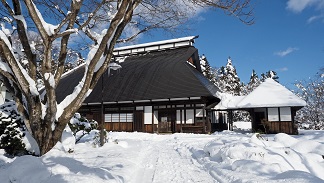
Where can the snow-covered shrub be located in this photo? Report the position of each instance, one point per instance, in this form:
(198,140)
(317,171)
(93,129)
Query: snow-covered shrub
(11,130)
(81,126)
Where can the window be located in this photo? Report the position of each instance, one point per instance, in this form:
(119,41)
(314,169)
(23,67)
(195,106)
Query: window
(273,114)
(119,117)
(107,118)
(190,116)
(114,117)
(285,114)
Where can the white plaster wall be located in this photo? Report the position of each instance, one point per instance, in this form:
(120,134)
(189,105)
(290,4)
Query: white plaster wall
(148,115)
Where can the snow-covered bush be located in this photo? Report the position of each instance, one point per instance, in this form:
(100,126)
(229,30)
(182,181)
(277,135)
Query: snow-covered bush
(312,91)
(11,130)
(15,139)
(81,126)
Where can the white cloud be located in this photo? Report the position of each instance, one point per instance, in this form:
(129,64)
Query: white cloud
(298,6)
(285,52)
(283,69)
(314,18)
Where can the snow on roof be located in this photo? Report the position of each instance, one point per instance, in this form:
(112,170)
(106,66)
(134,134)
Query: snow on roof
(271,94)
(158,45)
(227,101)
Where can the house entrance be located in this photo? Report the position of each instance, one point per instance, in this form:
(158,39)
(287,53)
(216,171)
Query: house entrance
(259,116)
(167,121)
(139,121)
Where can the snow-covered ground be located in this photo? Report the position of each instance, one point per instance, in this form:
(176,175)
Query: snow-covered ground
(144,158)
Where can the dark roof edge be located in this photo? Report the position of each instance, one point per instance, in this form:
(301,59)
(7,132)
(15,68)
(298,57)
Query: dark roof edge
(212,93)
(155,46)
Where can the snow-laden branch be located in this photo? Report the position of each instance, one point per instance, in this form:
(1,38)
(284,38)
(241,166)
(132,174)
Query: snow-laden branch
(5,39)
(96,61)
(16,67)
(4,67)
(22,19)
(45,29)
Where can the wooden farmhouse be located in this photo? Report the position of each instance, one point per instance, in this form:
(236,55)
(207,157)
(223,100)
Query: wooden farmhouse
(159,88)
(272,108)
(156,87)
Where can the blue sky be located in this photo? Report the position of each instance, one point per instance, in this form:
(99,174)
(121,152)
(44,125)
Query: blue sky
(287,37)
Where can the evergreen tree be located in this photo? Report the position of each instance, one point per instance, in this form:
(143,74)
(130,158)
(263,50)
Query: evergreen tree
(219,76)
(233,85)
(270,74)
(253,83)
(206,68)
(11,130)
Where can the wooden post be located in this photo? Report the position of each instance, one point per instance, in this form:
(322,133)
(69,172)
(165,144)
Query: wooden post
(152,119)
(204,119)
(102,130)
(194,114)
(230,121)
(181,120)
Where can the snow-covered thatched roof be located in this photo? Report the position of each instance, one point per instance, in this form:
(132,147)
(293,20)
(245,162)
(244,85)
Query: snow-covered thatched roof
(158,75)
(271,94)
(228,101)
(268,94)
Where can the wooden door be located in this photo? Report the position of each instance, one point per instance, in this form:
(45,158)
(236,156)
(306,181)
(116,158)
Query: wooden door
(139,121)
(167,121)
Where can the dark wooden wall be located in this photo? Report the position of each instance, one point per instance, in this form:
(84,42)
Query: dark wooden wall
(282,127)
(125,127)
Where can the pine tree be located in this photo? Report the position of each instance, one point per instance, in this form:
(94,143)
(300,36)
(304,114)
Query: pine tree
(11,130)
(270,74)
(253,83)
(206,68)
(219,80)
(231,78)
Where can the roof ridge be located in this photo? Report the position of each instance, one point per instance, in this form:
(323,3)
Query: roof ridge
(155,46)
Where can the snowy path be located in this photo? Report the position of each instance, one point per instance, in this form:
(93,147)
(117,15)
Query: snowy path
(169,160)
(225,157)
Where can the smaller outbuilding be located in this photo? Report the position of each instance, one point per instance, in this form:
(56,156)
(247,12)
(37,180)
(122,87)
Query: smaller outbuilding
(272,107)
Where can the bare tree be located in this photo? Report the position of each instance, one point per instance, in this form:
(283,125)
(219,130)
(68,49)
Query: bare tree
(94,24)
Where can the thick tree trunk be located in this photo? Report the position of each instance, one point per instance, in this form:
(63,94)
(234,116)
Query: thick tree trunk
(45,136)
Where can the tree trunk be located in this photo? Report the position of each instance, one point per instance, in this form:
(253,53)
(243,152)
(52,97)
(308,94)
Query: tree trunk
(45,136)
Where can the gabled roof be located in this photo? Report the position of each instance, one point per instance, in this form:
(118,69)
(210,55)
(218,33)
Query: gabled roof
(154,75)
(271,94)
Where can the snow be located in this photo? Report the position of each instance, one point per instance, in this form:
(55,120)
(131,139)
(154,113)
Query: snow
(141,157)
(94,50)
(189,38)
(268,94)
(49,28)
(50,78)
(31,144)
(6,31)
(227,101)
(31,82)
(271,94)
(5,39)
(22,19)
(5,67)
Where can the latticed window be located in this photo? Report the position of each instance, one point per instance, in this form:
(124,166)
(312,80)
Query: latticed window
(119,117)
